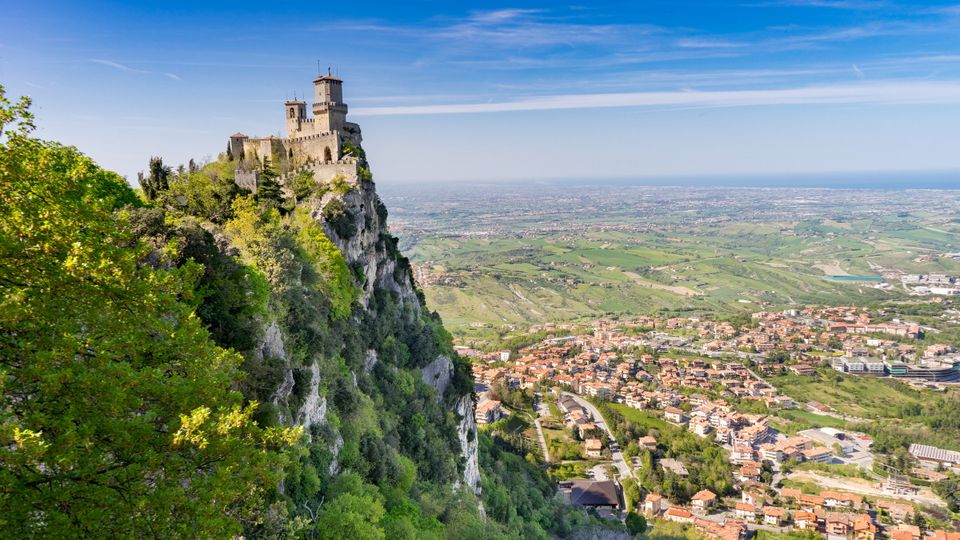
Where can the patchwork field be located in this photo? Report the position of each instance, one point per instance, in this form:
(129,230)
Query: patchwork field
(528,256)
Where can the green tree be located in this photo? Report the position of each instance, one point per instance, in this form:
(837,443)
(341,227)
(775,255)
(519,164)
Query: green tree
(636,524)
(117,417)
(158,179)
(268,189)
(351,516)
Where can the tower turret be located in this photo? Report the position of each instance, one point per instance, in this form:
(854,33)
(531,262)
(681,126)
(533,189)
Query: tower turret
(296,113)
(329,110)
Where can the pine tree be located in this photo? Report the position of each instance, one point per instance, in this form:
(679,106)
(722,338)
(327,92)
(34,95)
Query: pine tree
(157,181)
(268,189)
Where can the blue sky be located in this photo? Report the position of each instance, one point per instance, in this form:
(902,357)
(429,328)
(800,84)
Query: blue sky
(451,91)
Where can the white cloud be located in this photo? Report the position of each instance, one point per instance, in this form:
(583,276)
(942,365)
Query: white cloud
(116,65)
(891,92)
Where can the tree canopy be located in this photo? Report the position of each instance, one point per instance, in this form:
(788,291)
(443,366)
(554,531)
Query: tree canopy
(117,414)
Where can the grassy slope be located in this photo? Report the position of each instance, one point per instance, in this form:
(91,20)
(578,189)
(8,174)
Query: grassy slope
(865,397)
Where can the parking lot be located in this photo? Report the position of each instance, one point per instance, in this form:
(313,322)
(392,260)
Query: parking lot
(855,448)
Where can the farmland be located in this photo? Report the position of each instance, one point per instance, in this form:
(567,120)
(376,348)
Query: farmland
(528,256)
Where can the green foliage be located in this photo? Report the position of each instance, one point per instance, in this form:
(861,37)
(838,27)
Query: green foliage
(268,189)
(341,221)
(521,497)
(328,261)
(157,179)
(708,465)
(354,150)
(303,185)
(206,193)
(117,416)
(636,524)
(949,489)
(338,184)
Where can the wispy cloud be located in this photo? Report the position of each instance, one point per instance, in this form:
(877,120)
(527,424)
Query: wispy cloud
(890,92)
(116,65)
(708,43)
(501,29)
(831,4)
(125,68)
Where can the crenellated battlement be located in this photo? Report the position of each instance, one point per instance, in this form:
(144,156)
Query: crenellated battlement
(316,143)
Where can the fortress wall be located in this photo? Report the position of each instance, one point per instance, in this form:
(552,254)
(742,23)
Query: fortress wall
(314,147)
(324,172)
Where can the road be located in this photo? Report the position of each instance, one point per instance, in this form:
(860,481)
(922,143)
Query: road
(618,460)
(542,410)
(865,487)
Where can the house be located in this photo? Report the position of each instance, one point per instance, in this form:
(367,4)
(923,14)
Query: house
(602,494)
(806,520)
(791,493)
(652,504)
(746,511)
(728,530)
(741,453)
(774,515)
(898,511)
(820,454)
(906,532)
(648,442)
(810,503)
(755,497)
(803,369)
(837,526)
(675,415)
(594,447)
(585,428)
(838,499)
(749,472)
(864,528)
(941,534)
(677,514)
(700,426)
(489,412)
(703,501)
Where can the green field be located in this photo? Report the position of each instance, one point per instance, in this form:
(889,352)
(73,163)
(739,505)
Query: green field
(550,254)
(864,397)
(639,417)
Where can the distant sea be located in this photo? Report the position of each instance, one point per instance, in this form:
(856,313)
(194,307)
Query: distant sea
(882,181)
(906,180)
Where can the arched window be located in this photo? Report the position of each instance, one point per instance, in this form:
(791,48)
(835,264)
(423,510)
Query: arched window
(291,152)
(292,112)
(327,156)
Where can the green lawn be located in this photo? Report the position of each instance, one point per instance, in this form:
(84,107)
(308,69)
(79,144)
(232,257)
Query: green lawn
(640,417)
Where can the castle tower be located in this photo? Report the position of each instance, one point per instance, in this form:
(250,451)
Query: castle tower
(329,110)
(296,113)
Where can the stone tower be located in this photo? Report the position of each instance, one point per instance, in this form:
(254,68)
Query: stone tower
(329,110)
(296,114)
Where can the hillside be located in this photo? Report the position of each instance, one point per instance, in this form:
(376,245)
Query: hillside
(201,361)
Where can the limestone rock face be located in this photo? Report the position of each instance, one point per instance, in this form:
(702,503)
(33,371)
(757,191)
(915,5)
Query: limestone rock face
(467,433)
(366,243)
(438,374)
(363,238)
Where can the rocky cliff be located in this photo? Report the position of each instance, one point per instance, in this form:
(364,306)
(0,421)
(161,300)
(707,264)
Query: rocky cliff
(345,347)
(360,232)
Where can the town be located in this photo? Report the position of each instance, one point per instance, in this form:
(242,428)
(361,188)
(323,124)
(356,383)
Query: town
(627,413)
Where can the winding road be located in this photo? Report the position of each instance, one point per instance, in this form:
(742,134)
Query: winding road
(618,460)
